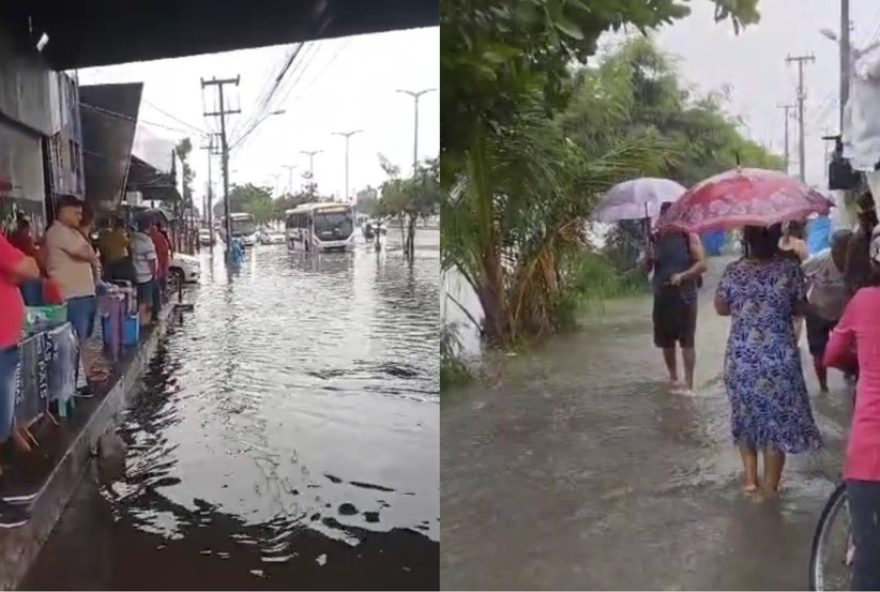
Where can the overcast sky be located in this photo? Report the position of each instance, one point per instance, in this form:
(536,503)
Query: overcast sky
(333,85)
(753,64)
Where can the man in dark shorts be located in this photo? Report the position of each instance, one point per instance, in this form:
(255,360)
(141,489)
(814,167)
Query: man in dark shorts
(678,260)
(827,296)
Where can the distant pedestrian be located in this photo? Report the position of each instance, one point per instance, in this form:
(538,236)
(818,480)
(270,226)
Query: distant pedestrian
(163,268)
(678,261)
(115,244)
(143,253)
(827,298)
(15,268)
(857,270)
(793,245)
(771,413)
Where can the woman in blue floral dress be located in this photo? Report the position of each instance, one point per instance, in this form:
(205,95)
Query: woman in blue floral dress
(771,413)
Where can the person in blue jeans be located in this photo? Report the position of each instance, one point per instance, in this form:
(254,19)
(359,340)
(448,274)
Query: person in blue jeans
(72,263)
(15,269)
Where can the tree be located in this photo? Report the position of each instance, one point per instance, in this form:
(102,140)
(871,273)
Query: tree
(408,200)
(368,201)
(515,188)
(250,198)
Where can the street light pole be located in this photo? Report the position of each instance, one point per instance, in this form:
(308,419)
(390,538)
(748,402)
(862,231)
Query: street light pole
(416,95)
(289,168)
(311,154)
(347,136)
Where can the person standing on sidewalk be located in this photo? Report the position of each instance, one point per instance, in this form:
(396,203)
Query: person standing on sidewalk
(15,269)
(678,262)
(71,262)
(857,270)
(163,267)
(143,255)
(855,341)
(826,297)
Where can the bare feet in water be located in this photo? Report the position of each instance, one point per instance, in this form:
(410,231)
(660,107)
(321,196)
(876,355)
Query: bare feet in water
(751,486)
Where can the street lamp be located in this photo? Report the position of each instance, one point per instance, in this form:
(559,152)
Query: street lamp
(416,95)
(347,136)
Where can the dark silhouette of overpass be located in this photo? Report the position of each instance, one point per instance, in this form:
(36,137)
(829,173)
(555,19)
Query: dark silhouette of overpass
(85,33)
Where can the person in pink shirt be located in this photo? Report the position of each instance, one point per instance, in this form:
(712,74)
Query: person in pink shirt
(855,342)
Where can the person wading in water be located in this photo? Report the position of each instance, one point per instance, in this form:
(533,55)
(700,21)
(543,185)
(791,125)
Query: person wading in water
(678,261)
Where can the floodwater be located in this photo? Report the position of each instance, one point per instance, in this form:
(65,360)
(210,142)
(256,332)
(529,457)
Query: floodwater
(286,436)
(576,469)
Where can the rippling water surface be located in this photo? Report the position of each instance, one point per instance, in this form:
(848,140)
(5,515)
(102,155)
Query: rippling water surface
(285,436)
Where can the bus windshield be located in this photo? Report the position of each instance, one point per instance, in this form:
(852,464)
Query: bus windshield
(243,225)
(333,225)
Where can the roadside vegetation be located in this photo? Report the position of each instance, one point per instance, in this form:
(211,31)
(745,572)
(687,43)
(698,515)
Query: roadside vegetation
(529,144)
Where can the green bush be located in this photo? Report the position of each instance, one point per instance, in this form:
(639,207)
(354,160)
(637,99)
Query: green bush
(454,371)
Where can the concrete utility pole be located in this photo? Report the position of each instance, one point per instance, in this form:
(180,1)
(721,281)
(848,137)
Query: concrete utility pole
(311,154)
(845,65)
(786,109)
(801,97)
(347,136)
(211,149)
(416,95)
(289,168)
(224,148)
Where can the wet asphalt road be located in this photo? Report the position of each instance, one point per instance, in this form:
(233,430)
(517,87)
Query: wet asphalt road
(576,469)
(285,437)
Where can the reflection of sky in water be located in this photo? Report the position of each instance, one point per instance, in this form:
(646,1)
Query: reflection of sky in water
(303,393)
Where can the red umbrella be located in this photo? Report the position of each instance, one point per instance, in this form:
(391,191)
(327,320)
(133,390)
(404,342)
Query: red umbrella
(744,197)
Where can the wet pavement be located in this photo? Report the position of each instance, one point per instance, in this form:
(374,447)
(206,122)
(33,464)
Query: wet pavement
(285,437)
(576,469)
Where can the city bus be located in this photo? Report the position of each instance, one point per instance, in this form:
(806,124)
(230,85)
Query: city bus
(320,227)
(244,226)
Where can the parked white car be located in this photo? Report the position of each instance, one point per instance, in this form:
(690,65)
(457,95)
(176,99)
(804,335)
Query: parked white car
(186,267)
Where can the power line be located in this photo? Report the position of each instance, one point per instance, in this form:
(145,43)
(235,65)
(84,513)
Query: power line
(122,116)
(177,119)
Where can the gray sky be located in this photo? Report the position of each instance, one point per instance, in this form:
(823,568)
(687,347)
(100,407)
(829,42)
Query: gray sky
(753,64)
(334,85)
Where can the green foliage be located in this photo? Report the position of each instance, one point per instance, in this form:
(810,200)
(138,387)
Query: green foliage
(454,371)
(635,94)
(516,188)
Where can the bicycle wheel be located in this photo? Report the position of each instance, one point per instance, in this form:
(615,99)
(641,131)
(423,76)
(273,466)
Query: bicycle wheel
(829,567)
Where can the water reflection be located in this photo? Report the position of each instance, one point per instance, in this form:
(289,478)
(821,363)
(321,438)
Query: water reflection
(290,423)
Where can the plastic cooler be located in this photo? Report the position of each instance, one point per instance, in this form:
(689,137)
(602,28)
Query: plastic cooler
(112,308)
(130,293)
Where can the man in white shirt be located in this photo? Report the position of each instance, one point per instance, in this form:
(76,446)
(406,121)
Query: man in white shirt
(144,261)
(827,296)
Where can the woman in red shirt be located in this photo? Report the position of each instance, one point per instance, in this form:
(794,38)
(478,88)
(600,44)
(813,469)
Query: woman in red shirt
(856,340)
(15,268)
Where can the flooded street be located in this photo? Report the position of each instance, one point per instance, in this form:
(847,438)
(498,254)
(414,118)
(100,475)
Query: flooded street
(286,436)
(576,469)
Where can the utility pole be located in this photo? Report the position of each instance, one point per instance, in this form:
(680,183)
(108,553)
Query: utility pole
(311,154)
(211,149)
(416,95)
(801,97)
(786,109)
(845,52)
(289,168)
(347,136)
(224,148)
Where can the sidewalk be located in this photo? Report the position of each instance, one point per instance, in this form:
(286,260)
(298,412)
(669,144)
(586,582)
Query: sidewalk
(48,475)
(578,470)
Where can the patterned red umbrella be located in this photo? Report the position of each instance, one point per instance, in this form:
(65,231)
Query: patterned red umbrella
(744,197)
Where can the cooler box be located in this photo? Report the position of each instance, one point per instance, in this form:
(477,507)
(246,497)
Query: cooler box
(112,315)
(131,330)
(130,293)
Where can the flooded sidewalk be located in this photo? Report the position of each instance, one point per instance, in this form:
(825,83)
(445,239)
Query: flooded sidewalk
(577,469)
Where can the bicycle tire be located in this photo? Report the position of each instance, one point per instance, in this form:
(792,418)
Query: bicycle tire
(836,502)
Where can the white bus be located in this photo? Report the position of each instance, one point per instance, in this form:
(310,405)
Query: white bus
(320,227)
(244,226)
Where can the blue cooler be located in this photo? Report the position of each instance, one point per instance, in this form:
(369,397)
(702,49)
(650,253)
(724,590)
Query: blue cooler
(131,330)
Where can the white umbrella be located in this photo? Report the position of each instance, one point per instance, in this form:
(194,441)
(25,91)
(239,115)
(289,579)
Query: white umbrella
(637,199)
